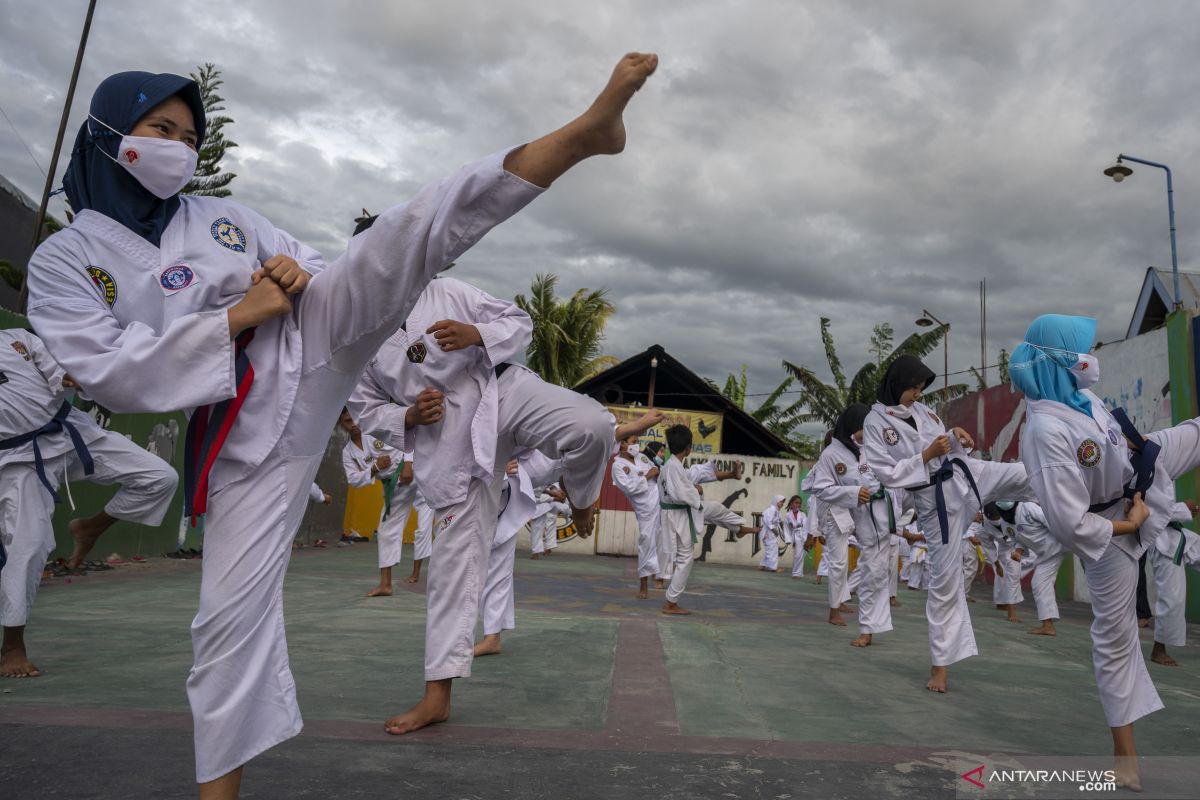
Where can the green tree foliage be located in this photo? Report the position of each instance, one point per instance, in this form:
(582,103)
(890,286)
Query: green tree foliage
(567,334)
(823,402)
(209,179)
(780,418)
(881,341)
(10,275)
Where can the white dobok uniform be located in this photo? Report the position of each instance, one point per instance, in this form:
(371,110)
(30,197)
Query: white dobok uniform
(795,530)
(837,524)
(543,528)
(460,460)
(894,437)
(31,395)
(999,539)
(1076,462)
(316,494)
(1034,537)
(970,556)
(629,475)
(711,513)
(406,499)
(770,529)
(838,477)
(1174,549)
(680,525)
(145,328)
(358,463)
(497,606)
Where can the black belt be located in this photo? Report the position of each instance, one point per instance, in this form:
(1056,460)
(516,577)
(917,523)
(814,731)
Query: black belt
(502,368)
(944,473)
(58,423)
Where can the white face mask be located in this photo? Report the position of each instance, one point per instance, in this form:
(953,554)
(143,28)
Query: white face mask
(1086,368)
(162,166)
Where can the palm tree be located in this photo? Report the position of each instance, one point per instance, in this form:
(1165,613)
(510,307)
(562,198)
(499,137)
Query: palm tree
(781,420)
(824,402)
(566,334)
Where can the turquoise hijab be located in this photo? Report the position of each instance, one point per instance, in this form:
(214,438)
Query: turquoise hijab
(1039,366)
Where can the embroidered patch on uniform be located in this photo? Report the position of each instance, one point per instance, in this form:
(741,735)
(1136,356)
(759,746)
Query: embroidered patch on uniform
(229,235)
(840,469)
(378,445)
(1114,436)
(175,278)
(22,351)
(864,469)
(108,287)
(934,417)
(891,436)
(445,522)
(416,352)
(1088,453)
(626,470)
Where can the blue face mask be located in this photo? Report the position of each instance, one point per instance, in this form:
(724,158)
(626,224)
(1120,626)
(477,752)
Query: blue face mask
(657,460)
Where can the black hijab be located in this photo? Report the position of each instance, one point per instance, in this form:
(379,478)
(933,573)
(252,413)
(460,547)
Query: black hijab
(849,423)
(903,374)
(94,180)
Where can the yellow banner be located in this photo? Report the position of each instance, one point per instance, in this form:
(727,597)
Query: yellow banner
(706,426)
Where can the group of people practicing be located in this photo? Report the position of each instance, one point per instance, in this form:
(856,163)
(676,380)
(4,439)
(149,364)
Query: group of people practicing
(153,301)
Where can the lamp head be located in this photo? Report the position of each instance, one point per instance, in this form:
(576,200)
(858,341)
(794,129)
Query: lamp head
(1118,172)
(654,362)
(924,322)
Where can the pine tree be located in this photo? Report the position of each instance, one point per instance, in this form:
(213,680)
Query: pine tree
(209,179)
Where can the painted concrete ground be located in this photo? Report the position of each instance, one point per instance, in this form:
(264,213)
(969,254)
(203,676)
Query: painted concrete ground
(597,695)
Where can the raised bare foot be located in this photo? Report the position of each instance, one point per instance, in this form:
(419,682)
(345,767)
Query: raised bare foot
(603,123)
(1043,630)
(674,608)
(744,531)
(430,711)
(382,590)
(835,618)
(863,640)
(937,680)
(1159,656)
(16,664)
(489,646)
(85,532)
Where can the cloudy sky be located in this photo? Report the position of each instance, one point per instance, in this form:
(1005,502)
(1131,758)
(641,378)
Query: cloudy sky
(788,161)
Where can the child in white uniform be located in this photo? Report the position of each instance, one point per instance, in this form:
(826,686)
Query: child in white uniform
(157,302)
(970,555)
(795,530)
(908,447)
(999,539)
(637,478)
(365,460)
(1034,539)
(769,531)
(44,440)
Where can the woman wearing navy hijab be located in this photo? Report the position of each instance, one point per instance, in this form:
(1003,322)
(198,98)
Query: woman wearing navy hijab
(158,302)
(1106,493)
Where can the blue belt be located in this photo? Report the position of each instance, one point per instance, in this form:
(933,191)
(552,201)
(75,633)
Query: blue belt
(944,473)
(58,423)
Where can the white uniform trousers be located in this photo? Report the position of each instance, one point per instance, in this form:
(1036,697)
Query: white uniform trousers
(389,535)
(647,545)
(1044,574)
(675,526)
(1007,589)
(798,555)
(893,565)
(458,571)
(836,556)
(770,546)
(543,529)
(391,531)
(874,610)
(855,577)
(951,637)
(1171,582)
(147,486)
(717,514)
(1126,691)
(970,563)
(497,609)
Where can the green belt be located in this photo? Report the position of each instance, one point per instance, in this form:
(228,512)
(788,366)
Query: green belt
(880,494)
(389,488)
(665,506)
(1177,559)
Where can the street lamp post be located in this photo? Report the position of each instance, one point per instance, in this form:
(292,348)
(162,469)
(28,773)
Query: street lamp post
(653,370)
(925,321)
(1119,172)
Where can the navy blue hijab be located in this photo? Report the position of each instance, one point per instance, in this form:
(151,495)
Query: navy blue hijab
(94,180)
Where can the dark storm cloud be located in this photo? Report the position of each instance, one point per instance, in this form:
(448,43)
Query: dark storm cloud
(859,161)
